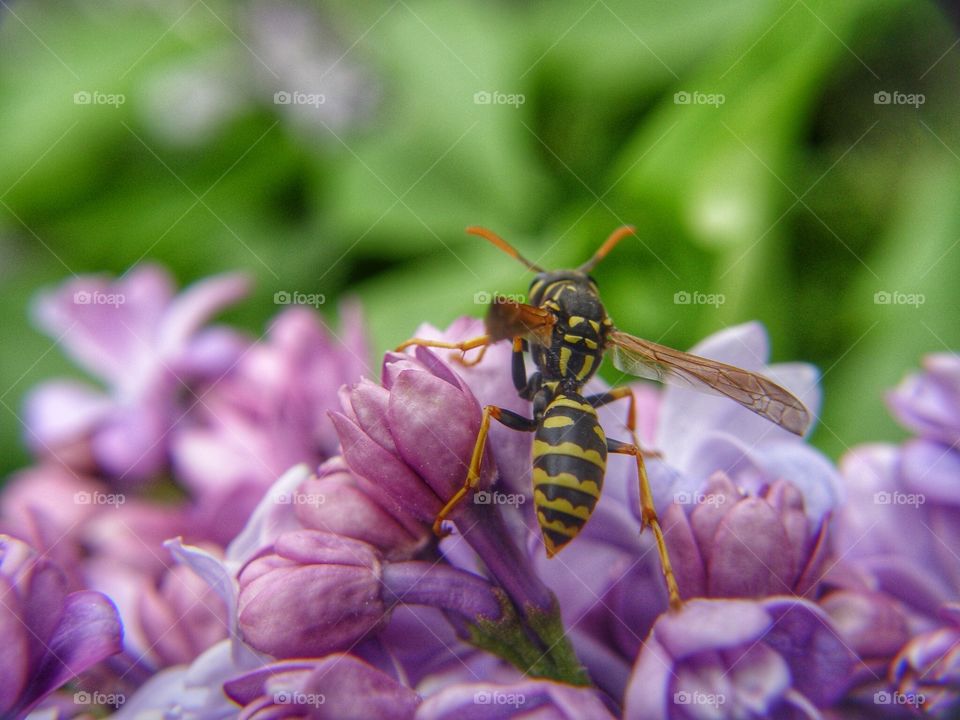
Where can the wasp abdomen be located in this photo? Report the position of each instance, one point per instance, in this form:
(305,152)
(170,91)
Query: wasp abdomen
(569,462)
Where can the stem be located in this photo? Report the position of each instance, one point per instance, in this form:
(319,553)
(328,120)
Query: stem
(483,527)
(417,582)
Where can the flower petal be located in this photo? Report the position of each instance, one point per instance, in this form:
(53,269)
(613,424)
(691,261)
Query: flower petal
(89,631)
(710,625)
(435,427)
(749,556)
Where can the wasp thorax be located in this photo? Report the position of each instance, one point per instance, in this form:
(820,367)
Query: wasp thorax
(579,333)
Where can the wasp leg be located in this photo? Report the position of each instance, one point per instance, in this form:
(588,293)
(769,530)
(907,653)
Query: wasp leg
(648,515)
(508,418)
(620,393)
(518,367)
(482,341)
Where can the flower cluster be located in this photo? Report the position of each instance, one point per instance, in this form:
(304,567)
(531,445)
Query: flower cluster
(256,515)
(896,595)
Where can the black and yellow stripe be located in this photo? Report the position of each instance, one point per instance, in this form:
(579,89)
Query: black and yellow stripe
(569,461)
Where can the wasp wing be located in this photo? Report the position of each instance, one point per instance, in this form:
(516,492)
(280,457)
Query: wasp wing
(507,319)
(755,392)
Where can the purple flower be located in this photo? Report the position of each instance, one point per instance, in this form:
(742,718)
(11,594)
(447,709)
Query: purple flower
(491,383)
(337,501)
(927,670)
(267,415)
(730,544)
(413,437)
(336,686)
(50,636)
(900,540)
(531,698)
(169,618)
(42,506)
(776,658)
(412,440)
(146,346)
(928,403)
(873,625)
(699,434)
(352,591)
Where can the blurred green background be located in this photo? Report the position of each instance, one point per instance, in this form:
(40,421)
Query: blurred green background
(342,148)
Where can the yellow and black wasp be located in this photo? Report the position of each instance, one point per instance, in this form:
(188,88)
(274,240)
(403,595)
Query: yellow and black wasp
(566,331)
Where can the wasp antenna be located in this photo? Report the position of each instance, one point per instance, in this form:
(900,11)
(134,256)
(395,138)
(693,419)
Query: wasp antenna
(611,242)
(503,245)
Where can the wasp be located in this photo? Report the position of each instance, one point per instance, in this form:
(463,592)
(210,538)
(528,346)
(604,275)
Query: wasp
(566,331)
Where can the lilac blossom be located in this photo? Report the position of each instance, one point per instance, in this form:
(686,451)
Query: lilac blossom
(353,588)
(736,545)
(775,658)
(532,698)
(895,539)
(335,686)
(337,501)
(50,635)
(734,494)
(926,672)
(699,434)
(146,346)
(412,439)
(922,573)
(169,617)
(321,591)
(267,414)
